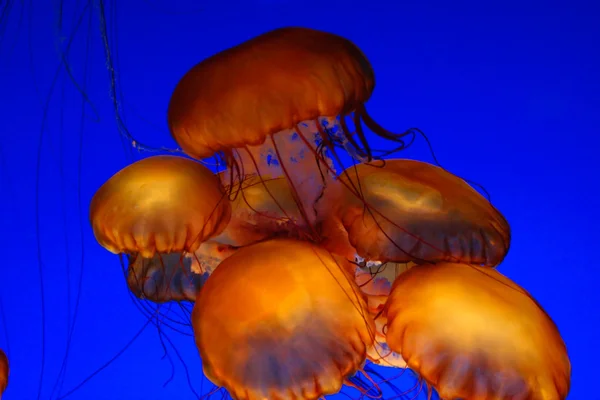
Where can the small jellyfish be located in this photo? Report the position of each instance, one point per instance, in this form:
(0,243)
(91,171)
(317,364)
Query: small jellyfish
(472,333)
(4,372)
(281,319)
(160,204)
(209,255)
(276,106)
(164,278)
(261,209)
(375,282)
(174,276)
(404,210)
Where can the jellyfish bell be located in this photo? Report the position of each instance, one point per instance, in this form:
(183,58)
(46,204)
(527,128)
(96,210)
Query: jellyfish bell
(164,278)
(4,372)
(262,208)
(175,276)
(277,105)
(300,332)
(405,210)
(247,94)
(159,204)
(474,334)
(333,234)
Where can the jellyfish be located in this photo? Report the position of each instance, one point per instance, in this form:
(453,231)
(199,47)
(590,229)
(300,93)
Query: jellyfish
(4,372)
(164,278)
(160,204)
(174,276)
(281,319)
(159,211)
(375,282)
(404,210)
(262,208)
(472,333)
(276,106)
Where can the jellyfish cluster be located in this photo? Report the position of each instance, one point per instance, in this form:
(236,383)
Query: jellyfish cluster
(303,267)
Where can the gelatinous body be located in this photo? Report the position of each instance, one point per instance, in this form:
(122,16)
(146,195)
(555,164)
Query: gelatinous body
(281,319)
(268,84)
(276,106)
(159,204)
(405,210)
(164,278)
(474,334)
(261,208)
(174,276)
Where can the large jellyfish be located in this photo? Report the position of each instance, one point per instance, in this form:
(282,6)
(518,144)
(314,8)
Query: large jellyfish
(472,333)
(4,372)
(159,211)
(281,319)
(405,210)
(276,106)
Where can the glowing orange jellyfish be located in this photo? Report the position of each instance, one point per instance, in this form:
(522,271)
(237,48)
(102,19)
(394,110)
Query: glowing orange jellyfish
(4,372)
(474,334)
(163,205)
(405,210)
(274,106)
(281,319)
(261,209)
(159,204)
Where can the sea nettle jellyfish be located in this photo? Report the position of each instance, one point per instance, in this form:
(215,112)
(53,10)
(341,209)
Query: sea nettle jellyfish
(4,372)
(396,213)
(281,319)
(159,206)
(404,210)
(262,208)
(472,333)
(174,276)
(274,106)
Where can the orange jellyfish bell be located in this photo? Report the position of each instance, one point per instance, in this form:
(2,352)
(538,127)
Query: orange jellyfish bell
(261,209)
(164,278)
(281,319)
(4,372)
(472,333)
(241,96)
(159,204)
(276,106)
(404,210)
